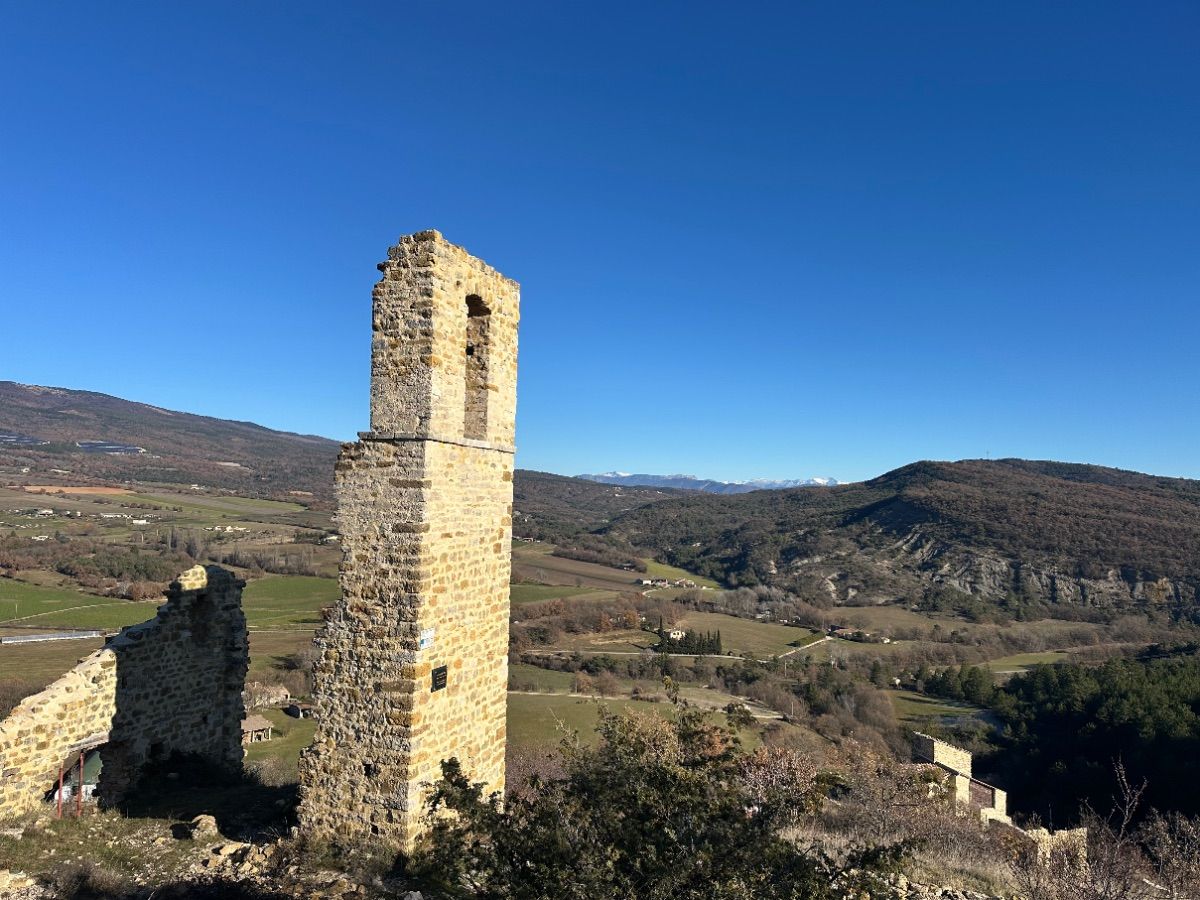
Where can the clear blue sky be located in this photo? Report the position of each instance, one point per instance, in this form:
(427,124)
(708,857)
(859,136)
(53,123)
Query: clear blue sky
(754,239)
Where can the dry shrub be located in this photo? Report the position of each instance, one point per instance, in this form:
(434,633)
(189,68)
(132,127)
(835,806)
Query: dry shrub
(1172,844)
(774,776)
(1157,860)
(77,881)
(271,771)
(526,769)
(13,691)
(879,800)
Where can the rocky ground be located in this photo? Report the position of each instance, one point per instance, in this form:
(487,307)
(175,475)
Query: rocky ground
(104,854)
(108,855)
(242,871)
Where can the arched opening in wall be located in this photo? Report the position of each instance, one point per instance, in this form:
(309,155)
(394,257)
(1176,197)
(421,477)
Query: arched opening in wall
(76,782)
(200,617)
(475,409)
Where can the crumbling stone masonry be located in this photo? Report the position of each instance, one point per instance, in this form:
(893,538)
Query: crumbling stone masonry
(172,684)
(413,665)
(989,801)
(991,804)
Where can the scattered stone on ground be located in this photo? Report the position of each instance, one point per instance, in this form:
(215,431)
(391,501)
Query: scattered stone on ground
(203,826)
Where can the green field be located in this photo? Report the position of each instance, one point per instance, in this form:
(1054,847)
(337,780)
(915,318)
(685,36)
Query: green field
(283,600)
(1020,662)
(36,665)
(536,593)
(622,641)
(534,563)
(270,651)
(34,605)
(543,720)
(748,635)
(879,618)
(109,615)
(287,607)
(827,650)
(274,601)
(215,507)
(524,677)
(759,639)
(917,710)
(533,720)
(290,737)
(19,599)
(656,569)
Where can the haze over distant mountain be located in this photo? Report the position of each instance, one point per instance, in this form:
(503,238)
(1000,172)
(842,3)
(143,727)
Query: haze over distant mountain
(708,485)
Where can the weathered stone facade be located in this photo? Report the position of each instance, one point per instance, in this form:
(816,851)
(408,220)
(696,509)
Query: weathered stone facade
(953,759)
(991,804)
(413,660)
(172,684)
(969,792)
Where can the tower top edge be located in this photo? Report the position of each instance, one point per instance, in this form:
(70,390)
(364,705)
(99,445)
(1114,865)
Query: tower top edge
(434,237)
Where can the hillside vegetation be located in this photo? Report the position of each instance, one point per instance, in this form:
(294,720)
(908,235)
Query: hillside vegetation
(180,448)
(183,449)
(986,539)
(551,507)
(1022,534)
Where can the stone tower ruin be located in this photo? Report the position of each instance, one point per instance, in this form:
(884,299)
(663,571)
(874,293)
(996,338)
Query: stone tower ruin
(413,665)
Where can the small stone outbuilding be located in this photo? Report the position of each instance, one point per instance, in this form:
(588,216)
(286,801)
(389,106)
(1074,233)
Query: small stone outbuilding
(256,729)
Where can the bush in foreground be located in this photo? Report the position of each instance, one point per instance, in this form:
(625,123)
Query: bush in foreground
(658,809)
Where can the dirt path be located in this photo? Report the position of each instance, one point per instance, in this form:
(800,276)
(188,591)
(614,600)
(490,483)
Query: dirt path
(806,646)
(47,612)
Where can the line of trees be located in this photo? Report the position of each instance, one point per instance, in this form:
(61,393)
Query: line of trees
(691,642)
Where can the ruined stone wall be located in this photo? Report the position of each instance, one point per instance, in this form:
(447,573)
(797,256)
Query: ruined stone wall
(1068,845)
(413,660)
(929,749)
(172,684)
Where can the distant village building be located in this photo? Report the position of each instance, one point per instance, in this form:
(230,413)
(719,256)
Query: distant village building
(301,710)
(256,729)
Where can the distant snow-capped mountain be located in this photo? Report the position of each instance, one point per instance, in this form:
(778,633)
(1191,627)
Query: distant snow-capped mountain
(692,483)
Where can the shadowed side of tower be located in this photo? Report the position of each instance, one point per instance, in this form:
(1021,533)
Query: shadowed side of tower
(413,659)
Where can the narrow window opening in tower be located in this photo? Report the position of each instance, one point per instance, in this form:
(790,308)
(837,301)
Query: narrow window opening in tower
(476,406)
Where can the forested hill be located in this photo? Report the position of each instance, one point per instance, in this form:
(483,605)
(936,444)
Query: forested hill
(42,428)
(554,507)
(973,535)
(1017,532)
(179,447)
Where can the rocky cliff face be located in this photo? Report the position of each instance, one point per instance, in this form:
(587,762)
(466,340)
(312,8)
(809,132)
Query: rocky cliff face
(1010,532)
(918,564)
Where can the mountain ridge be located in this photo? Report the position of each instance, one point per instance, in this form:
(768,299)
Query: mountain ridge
(708,485)
(179,447)
(1024,535)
